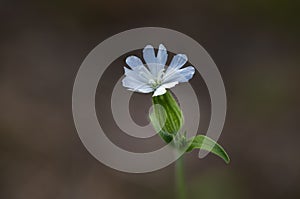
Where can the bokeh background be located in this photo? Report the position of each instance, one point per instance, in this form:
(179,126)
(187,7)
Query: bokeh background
(254,43)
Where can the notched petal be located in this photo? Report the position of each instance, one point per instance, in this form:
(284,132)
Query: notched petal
(162,55)
(186,73)
(178,61)
(134,62)
(149,55)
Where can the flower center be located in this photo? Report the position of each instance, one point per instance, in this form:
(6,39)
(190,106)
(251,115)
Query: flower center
(155,83)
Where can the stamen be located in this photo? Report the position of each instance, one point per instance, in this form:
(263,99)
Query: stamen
(160,75)
(151,81)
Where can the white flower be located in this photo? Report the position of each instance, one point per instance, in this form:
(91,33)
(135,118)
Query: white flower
(154,76)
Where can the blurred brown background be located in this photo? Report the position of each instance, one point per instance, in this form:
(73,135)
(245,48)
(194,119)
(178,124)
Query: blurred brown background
(255,45)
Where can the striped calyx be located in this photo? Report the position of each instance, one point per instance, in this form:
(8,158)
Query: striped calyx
(167,117)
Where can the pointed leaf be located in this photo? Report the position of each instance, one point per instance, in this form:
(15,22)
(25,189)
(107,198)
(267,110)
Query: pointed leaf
(205,143)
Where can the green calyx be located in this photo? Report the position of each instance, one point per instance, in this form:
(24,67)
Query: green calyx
(167,120)
(167,117)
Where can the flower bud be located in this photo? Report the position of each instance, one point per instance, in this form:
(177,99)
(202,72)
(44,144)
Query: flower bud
(167,117)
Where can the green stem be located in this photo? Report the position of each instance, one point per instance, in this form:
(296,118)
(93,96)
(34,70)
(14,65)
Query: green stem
(180,183)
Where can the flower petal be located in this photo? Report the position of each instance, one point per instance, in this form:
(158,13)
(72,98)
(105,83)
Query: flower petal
(186,73)
(170,84)
(149,55)
(135,85)
(159,91)
(145,89)
(137,66)
(162,55)
(155,64)
(130,82)
(134,62)
(177,62)
(162,89)
(135,74)
(182,75)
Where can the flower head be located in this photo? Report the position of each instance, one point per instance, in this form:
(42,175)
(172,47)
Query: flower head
(154,76)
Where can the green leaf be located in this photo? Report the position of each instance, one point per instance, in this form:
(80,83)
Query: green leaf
(205,143)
